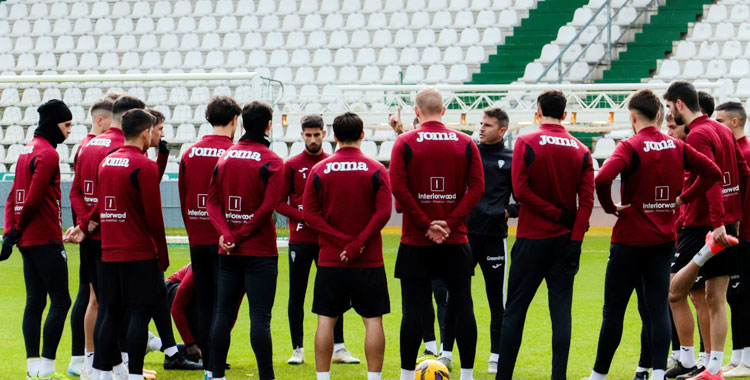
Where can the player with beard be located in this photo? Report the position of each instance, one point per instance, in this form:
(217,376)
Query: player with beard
(733,115)
(716,141)
(303,240)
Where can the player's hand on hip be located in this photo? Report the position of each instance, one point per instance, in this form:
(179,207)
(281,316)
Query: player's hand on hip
(720,236)
(621,207)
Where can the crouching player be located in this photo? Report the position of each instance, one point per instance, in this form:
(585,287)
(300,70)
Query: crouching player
(348,201)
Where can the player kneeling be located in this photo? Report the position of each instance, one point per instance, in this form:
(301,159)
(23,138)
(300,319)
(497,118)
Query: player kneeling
(348,201)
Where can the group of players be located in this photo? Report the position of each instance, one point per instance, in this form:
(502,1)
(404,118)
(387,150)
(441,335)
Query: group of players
(455,196)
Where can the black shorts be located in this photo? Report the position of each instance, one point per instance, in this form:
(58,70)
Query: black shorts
(692,239)
(445,261)
(738,281)
(91,256)
(131,283)
(339,289)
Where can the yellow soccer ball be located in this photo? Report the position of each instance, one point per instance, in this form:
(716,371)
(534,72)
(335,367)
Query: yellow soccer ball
(432,370)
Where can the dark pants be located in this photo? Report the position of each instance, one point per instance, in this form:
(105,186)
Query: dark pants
(440,291)
(134,319)
(629,268)
(256,277)
(204,260)
(534,261)
(738,297)
(45,272)
(78,312)
(162,316)
(301,257)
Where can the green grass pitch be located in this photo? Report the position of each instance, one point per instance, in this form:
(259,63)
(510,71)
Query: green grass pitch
(533,362)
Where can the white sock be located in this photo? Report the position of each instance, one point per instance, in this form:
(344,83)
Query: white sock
(121,370)
(125,358)
(447,354)
(88,362)
(338,346)
(219,378)
(405,374)
(171,351)
(209,374)
(32,365)
(494,357)
(597,376)
(736,357)
(323,375)
(46,367)
(702,256)
(658,374)
(687,356)
(714,363)
(641,369)
(374,375)
(154,344)
(746,356)
(467,373)
(431,346)
(77,358)
(676,354)
(96,374)
(703,358)
(135,377)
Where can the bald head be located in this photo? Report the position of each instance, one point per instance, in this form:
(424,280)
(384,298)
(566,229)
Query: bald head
(429,103)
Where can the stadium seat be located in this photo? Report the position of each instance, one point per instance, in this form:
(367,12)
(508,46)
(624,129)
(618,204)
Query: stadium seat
(716,68)
(31,97)
(685,50)
(604,148)
(669,69)
(185,134)
(693,69)
(716,14)
(369,149)
(13,135)
(701,32)
(12,154)
(281,149)
(739,68)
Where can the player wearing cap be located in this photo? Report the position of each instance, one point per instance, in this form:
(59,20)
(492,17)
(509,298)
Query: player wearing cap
(437,179)
(552,174)
(348,201)
(245,189)
(33,222)
(303,240)
(196,165)
(651,165)
(716,141)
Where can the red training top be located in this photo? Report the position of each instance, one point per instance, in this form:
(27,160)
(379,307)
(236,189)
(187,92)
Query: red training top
(245,189)
(296,171)
(716,141)
(550,170)
(348,201)
(652,166)
(83,197)
(196,166)
(130,217)
(182,300)
(744,232)
(436,174)
(33,204)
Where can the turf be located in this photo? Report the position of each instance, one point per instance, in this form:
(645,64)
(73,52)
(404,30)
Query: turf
(534,358)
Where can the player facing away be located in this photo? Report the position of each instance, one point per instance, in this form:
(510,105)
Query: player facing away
(716,141)
(437,179)
(84,199)
(643,239)
(245,189)
(196,165)
(303,240)
(83,313)
(347,200)
(552,172)
(33,222)
(134,245)
(732,114)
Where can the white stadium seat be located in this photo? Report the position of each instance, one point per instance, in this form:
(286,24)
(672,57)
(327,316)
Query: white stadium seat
(604,148)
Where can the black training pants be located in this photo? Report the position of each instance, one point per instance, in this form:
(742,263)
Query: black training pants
(301,257)
(534,261)
(45,272)
(256,277)
(162,316)
(78,313)
(204,260)
(440,291)
(628,268)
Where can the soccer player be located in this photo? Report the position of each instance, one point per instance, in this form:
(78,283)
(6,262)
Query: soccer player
(488,222)
(733,115)
(303,241)
(643,237)
(716,141)
(134,245)
(552,172)
(437,179)
(32,221)
(245,189)
(83,314)
(706,103)
(83,200)
(197,164)
(347,200)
